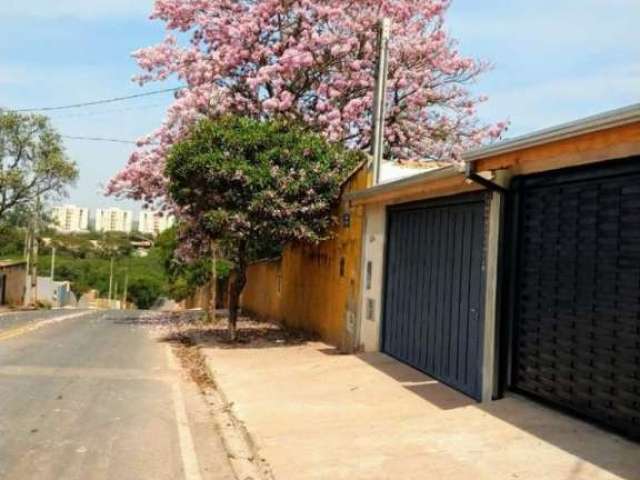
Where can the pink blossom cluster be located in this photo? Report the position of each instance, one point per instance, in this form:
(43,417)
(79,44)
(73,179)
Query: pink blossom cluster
(311,60)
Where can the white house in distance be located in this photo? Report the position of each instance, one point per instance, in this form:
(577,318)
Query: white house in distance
(70,218)
(113,220)
(154,223)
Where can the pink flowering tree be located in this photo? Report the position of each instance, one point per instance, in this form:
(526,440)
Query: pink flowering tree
(311,61)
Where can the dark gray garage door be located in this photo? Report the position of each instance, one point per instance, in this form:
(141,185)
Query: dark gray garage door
(434,289)
(578,299)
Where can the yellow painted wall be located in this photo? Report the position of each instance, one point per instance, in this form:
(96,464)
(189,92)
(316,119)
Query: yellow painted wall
(201,298)
(261,295)
(306,288)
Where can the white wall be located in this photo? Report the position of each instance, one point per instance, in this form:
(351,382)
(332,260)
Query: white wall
(373,252)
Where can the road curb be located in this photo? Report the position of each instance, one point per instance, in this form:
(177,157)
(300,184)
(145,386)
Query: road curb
(243,452)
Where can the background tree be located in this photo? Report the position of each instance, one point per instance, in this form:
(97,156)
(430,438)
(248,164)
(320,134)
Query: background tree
(32,162)
(185,275)
(146,275)
(313,61)
(248,184)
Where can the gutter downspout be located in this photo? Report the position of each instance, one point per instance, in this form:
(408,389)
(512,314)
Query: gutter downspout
(470,174)
(493,321)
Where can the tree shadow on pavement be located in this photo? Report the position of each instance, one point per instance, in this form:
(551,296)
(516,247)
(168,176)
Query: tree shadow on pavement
(250,334)
(191,328)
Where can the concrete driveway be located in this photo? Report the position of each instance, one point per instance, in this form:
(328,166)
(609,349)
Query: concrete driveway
(318,415)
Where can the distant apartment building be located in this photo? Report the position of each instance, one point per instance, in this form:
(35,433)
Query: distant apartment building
(113,220)
(70,219)
(154,223)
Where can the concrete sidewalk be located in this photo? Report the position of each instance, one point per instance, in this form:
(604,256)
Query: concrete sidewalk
(317,415)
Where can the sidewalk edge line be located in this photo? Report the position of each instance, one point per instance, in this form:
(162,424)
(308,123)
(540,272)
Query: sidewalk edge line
(243,451)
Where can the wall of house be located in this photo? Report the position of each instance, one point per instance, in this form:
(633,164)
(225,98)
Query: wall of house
(262,294)
(15,281)
(371,299)
(373,267)
(373,264)
(315,287)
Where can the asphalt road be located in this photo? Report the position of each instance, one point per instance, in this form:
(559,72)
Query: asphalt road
(97,397)
(9,320)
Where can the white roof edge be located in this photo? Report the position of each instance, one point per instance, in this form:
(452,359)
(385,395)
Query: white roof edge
(602,121)
(437,173)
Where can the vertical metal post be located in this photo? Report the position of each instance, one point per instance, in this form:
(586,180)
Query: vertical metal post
(53,263)
(124,293)
(377,143)
(110,281)
(28,252)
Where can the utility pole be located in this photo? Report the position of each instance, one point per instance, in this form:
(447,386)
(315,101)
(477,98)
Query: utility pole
(34,254)
(28,252)
(110,281)
(27,239)
(124,293)
(377,132)
(53,263)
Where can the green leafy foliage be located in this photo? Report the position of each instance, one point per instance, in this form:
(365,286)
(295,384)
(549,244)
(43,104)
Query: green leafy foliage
(265,183)
(146,275)
(185,276)
(92,244)
(32,162)
(252,186)
(11,241)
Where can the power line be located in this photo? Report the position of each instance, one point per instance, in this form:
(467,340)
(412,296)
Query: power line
(139,95)
(96,102)
(106,112)
(100,139)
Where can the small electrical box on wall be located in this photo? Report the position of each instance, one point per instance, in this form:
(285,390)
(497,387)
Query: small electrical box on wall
(368,276)
(371,306)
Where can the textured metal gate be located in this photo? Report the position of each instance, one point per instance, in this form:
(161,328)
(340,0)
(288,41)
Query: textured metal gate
(433,313)
(578,299)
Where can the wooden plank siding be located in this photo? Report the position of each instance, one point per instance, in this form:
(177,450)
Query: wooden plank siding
(609,144)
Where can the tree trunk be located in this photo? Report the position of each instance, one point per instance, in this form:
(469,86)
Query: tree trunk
(214,283)
(236,285)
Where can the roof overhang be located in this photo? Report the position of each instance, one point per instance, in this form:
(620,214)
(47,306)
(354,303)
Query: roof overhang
(12,263)
(604,121)
(437,182)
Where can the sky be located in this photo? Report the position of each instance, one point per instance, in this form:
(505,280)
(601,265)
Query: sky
(553,61)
